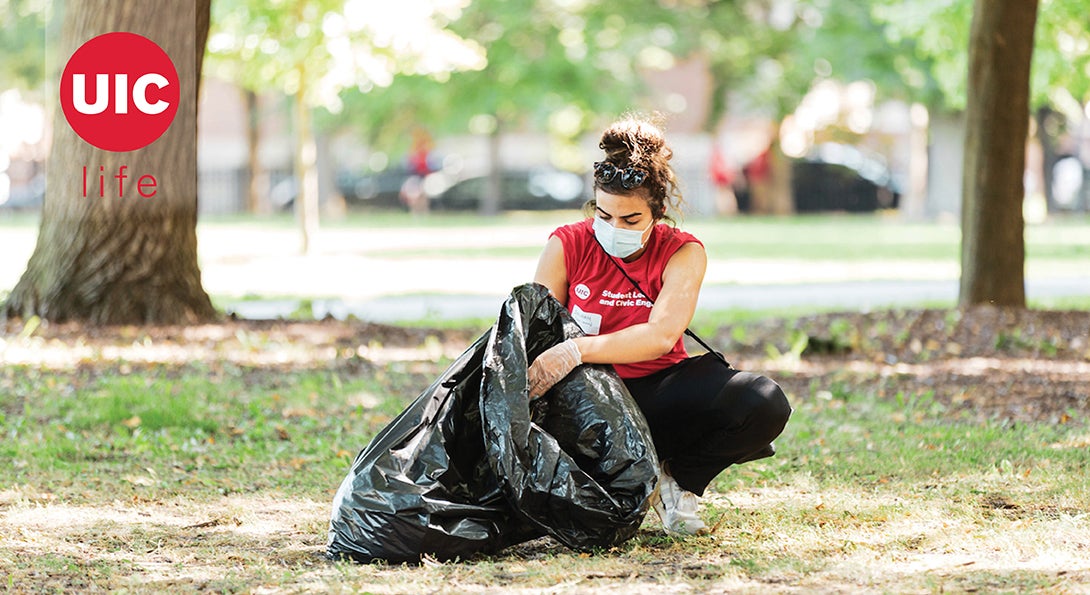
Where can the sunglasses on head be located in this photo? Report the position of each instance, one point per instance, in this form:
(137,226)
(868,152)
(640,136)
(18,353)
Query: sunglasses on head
(605,172)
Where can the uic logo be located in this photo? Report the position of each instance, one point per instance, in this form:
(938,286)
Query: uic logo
(121,93)
(100,113)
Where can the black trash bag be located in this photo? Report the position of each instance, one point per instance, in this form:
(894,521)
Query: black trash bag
(470,467)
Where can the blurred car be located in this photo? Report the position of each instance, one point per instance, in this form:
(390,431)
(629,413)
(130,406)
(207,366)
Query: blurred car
(282,193)
(1069,190)
(836,177)
(377,189)
(531,190)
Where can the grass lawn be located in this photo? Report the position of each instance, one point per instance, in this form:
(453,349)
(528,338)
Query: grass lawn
(371,255)
(807,237)
(207,458)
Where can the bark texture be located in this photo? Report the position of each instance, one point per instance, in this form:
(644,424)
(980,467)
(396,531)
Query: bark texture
(128,259)
(997,122)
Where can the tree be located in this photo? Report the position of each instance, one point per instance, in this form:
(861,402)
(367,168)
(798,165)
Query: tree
(997,122)
(940,32)
(310,50)
(764,56)
(277,45)
(556,66)
(126,260)
(1058,41)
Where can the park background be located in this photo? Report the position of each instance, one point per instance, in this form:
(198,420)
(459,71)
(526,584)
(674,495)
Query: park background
(939,436)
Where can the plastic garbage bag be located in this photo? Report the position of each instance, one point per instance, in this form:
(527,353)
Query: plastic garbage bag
(471,467)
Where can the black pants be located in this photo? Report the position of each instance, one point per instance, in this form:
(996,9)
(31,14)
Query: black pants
(705,417)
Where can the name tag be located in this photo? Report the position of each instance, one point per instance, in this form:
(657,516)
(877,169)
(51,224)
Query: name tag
(590,322)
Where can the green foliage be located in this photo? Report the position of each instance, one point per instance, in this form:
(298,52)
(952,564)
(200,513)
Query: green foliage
(894,66)
(939,30)
(768,56)
(23,43)
(324,46)
(1061,56)
(267,45)
(549,66)
(564,66)
(1013,340)
(797,341)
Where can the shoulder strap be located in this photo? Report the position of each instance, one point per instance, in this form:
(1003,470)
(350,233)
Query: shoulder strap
(688,331)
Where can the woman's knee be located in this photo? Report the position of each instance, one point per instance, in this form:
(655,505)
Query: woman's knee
(776,404)
(767,400)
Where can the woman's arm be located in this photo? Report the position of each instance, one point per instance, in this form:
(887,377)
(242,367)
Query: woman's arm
(670,316)
(551,271)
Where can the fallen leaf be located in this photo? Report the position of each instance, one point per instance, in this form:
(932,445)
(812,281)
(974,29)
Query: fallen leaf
(215,522)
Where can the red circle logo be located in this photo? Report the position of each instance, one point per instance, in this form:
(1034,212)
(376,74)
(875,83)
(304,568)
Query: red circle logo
(119,91)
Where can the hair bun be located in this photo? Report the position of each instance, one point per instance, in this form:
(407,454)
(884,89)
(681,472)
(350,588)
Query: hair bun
(638,141)
(633,140)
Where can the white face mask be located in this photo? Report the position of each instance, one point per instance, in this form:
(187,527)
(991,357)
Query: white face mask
(621,243)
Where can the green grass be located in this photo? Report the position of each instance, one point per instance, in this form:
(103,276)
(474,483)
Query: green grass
(198,458)
(913,444)
(870,477)
(227,471)
(800,237)
(24,220)
(860,477)
(194,416)
(192,428)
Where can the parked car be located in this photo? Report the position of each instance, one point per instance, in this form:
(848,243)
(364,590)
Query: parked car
(836,177)
(282,193)
(532,190)
(373,189)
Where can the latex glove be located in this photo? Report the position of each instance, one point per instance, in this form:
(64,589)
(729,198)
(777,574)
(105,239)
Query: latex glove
(551,366)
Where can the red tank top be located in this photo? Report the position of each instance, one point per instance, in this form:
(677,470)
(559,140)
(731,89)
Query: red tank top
(602,300)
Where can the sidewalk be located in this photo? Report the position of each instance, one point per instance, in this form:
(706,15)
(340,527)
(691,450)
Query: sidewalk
(415,273)
(849,295)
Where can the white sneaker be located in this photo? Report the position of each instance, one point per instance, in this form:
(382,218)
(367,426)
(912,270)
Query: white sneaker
(677,507)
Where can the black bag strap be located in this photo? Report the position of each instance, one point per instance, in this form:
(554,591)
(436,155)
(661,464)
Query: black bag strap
(688,331)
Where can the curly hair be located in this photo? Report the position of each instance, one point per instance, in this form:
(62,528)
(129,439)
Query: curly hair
(637,141)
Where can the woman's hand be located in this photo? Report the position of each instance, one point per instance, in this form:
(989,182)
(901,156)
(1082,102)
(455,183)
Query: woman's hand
(551,366)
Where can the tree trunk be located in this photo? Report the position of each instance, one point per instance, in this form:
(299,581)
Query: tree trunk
(1046,119)
(781,198)
(306,173)
(913,205)
(492,200)
(997,122)
(127,259)
(255,189)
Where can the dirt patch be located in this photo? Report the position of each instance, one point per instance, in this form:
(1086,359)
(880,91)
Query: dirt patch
(993,363)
